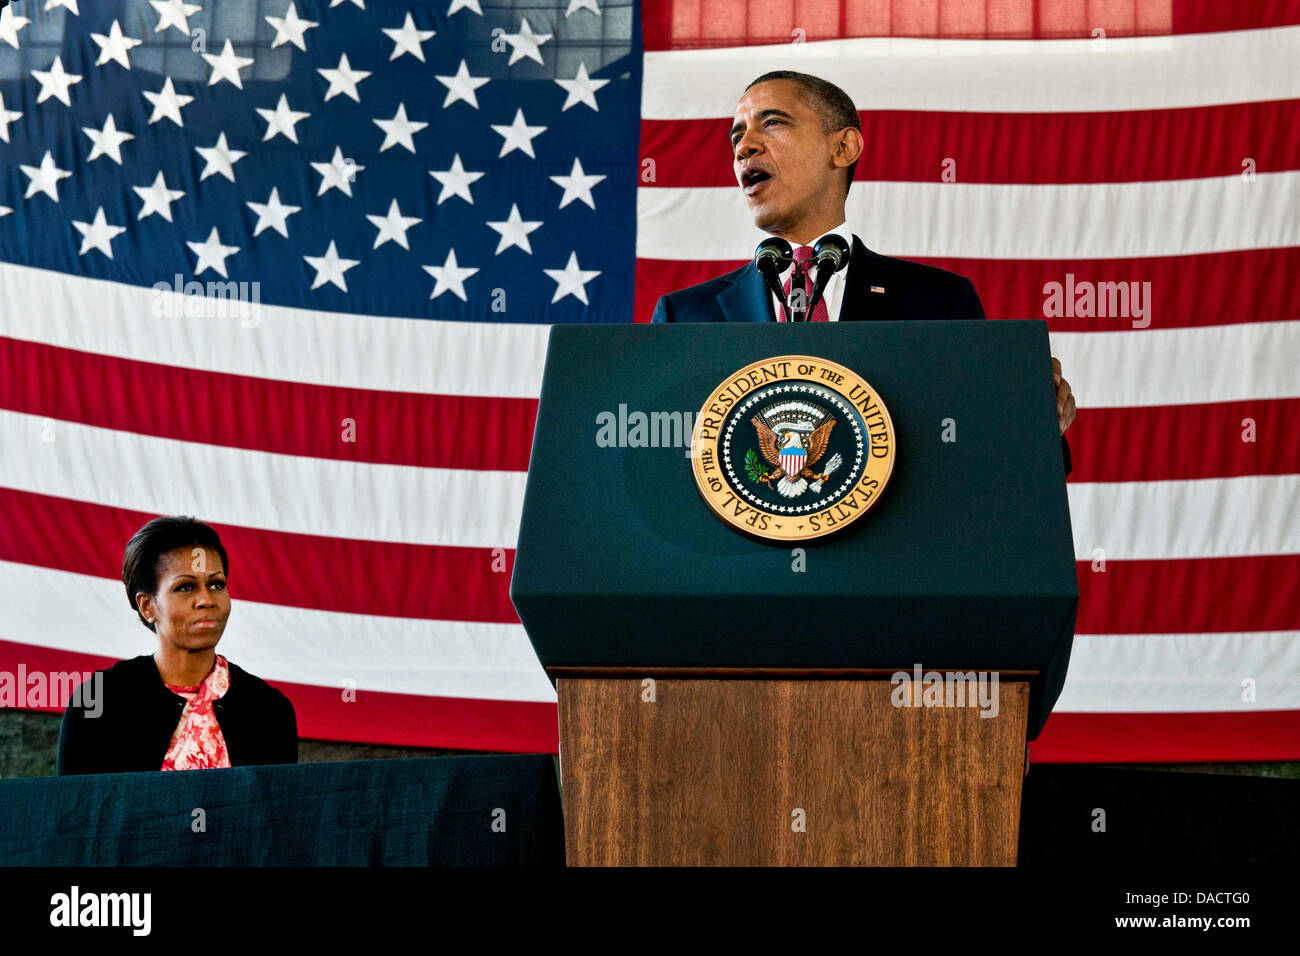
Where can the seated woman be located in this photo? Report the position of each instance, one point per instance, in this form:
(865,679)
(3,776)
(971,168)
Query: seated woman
(183,707)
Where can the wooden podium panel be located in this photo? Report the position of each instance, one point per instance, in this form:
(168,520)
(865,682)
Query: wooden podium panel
(714,772)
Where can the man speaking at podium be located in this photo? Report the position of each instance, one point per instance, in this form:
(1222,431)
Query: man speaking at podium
(795,142)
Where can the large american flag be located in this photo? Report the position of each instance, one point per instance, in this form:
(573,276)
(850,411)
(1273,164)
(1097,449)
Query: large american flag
(419,188)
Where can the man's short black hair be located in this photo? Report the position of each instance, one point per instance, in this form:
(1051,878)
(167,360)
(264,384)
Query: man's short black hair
(830,102)
(150,543)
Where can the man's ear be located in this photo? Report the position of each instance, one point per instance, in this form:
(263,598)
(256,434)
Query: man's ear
(848,147)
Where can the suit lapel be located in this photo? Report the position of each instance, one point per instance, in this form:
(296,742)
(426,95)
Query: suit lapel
(747,300)
(860,303)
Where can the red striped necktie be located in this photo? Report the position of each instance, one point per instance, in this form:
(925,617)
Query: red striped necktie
(803,256)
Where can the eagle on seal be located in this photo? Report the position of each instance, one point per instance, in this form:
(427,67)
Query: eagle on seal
(792,458)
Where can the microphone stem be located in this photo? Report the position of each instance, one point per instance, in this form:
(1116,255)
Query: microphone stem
(824,273)
(768,269)
(796,282)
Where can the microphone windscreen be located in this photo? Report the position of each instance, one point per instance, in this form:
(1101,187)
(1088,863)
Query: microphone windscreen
(832,249)
(775,250)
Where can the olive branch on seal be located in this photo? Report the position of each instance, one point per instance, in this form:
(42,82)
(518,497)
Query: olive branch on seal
(754,467)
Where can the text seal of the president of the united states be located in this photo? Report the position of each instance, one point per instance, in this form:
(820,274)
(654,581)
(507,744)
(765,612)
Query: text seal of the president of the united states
(792,447)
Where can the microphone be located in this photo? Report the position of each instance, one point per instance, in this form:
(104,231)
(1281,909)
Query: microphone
(830,255)
(772,257)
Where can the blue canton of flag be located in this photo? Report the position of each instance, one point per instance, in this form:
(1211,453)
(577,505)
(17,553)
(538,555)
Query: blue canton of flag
(457,159)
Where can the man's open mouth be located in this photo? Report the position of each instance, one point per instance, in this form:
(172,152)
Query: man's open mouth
(752,180)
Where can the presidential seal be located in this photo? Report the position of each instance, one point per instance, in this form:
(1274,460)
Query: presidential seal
(792,448)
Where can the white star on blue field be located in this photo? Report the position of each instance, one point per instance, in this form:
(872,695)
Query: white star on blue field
(450,159)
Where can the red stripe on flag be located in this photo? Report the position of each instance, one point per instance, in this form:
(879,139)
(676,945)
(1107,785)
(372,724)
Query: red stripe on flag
(695,24)
(406,720)
(1214,16)
(1168,738)
(330,574)
(1107,147)
(367,577)
(414,721)
(1186,441)
(1187,596)
(1220,288)
(43,383)
(240,411)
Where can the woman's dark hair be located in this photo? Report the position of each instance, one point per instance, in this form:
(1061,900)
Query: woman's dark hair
(827,100)
(150,543)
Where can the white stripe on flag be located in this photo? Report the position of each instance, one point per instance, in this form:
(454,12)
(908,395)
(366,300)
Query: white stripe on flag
(1182,673)
(502,359)
(325,648)
(1140,673)
(340,499)
(1128,520)
(1187,366)
(992,76)
(1202,518)
(999,220)
(1192,365)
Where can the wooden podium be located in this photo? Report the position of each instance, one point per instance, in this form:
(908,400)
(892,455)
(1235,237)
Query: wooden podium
(791,772)
(723,704)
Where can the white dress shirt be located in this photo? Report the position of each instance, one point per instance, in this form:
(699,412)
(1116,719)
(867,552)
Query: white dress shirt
(834,294)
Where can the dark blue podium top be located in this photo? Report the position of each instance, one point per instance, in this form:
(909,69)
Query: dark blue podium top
(965,562)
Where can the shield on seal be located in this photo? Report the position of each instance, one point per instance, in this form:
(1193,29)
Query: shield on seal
(792,460)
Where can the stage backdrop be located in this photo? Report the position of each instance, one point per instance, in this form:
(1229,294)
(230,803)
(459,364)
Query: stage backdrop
(409,193)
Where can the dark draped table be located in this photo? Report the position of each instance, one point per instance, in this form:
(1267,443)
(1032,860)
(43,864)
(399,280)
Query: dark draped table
(505,811)
(434,811)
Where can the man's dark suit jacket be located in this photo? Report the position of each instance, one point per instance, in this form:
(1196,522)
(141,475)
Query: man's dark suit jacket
(139,715)
(912,291)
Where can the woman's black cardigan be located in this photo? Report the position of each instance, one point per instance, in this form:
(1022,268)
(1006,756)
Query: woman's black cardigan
(138,715)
